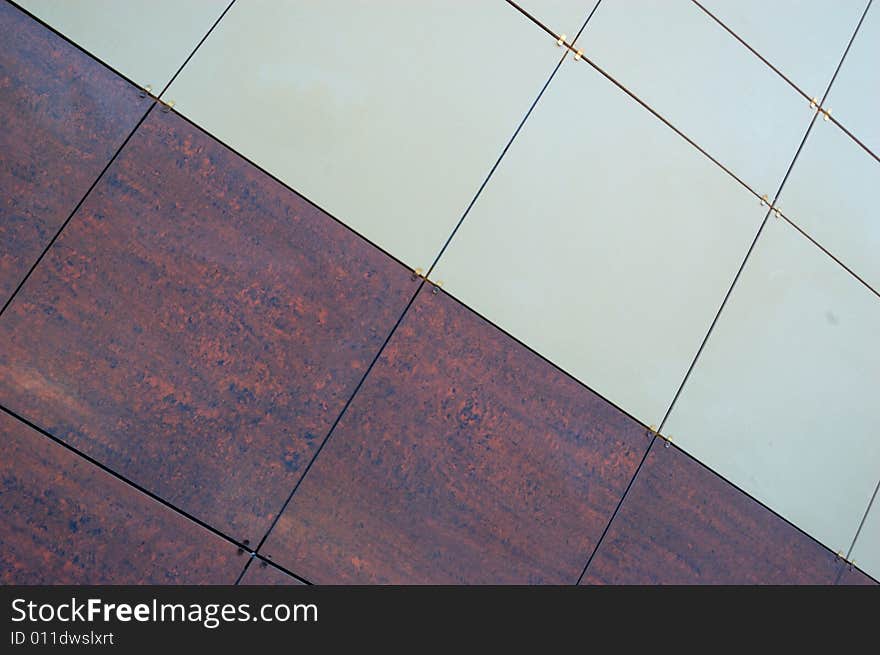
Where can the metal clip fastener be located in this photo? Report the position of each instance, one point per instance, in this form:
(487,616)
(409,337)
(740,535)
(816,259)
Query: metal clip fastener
(167,106)
(668,440)
(814,102)
(417,273)
(826,114)
(765,200)
(561,40)
(437,285)
(579,54)
(777,213)
(147,90)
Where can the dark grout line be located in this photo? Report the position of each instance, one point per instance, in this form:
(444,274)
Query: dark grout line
(846,52)
(284,184)
(341,414)
(73,43)
(735,280)
(584,26)
(616,509)
(555,366)
(854,138)
(784,77)
(764,223)
(729,292)
(244,570)
(752,50)
(862,522)
(134,485)
(75,209)
(495,166)
(122,478)
(198,45)
(829,254)
(518,128)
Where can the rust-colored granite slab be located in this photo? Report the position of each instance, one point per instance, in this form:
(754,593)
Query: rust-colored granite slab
(681,523)
(853,577)
(62,116)
(66,521)
(464,458)
(198,327)
(260,573)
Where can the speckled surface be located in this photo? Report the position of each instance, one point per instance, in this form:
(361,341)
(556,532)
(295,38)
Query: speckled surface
(65,521)
(198,327)
(464,458)
(260,573)
(63,115)
(682,524)
(853,577)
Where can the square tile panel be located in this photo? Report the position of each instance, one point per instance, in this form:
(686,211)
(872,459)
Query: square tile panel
(63,115)
(782,401)
(866,552)
(682,524)
(689,69)
(803,39)
(854,99)
(66,521)
(389,115)
(604,241)
(464,458)
(145,40)
(562,16)
(833,193)
(198,328)
(260,573)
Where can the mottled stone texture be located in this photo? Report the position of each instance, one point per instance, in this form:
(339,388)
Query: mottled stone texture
(852,576)
(62,116)
(259,573)
(682,524)
(198,327)
(65,521)
(464,458)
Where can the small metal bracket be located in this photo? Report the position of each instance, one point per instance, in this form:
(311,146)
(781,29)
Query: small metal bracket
(579,54)
(146,91)
(765,200)
(167,106)
(666,440)
(417,273)
(437,285)
(826,114)
(814,103)
(561,40)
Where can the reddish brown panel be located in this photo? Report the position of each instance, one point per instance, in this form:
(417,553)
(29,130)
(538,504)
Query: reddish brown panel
(66,521)
(464,458)
(198,327)
(851,576)
(261,573)
(63,115)
(681,523)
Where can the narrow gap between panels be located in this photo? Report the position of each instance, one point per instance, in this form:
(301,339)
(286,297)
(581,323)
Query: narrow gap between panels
(787,80)
(733,284)
(75,209)
(122,478)
(198,45)
(752,50)
(616,509)
(495,165)
(340,415)
(862,522)
(265,562)
(760,230)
